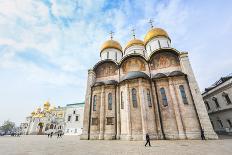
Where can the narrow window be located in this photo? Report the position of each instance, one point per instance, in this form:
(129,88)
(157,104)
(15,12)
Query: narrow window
(109,121)
(227,98)
(69,118)
(144,53)
(159,44)
(183,94)
(94,102)
(116,56)
(229,122)
(134,98)
(168,43)
(220,123)
(207,105)
(107,55)
(122,100)
(216,102)
(76,118)
(150,48)
(74,112)
(109,101)
(149,98)
(164,97)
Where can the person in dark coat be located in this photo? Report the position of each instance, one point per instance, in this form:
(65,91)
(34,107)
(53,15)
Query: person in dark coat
(148,140)
(202,134)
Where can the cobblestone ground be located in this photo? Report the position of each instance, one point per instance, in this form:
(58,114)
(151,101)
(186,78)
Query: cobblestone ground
(41,145)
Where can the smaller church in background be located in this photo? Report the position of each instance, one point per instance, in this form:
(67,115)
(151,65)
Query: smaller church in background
(146,87)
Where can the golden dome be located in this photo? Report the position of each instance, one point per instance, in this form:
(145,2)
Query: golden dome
(155,32)
(134,42)
(46,104)
(111,44)
(32,113)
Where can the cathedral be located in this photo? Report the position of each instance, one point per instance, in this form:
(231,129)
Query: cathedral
(147,87)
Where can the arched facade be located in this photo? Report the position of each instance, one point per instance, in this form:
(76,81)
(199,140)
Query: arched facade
(153,92)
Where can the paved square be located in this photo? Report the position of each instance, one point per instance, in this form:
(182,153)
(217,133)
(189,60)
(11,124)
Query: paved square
(41,145)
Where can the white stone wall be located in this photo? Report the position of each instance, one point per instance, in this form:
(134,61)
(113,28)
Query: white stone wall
(136,49)
(114,54)
(157,43)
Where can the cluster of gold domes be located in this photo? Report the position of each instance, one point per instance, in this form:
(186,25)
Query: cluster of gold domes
(154,32)
(46,109)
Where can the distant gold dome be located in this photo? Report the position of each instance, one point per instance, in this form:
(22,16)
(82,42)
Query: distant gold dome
(134,42)
(32,113)
(155,32)
(111,44)
(46,104)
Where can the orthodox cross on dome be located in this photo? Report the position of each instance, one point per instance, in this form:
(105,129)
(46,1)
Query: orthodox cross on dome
(111,34)
(133,32)
(151,22)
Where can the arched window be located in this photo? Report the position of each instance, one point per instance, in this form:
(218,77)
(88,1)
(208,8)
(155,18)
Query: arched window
(149,98)
(94,102)
(116,56)
(164,97)
(183,94)
(109,101)
(227,98)
(107,55)
(122,100)
(134,97)
(216,102)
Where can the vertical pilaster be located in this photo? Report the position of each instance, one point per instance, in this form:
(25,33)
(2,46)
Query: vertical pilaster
(179,122)
(102,113)
(118,99)
(143,109)
(197,97)
(128,112)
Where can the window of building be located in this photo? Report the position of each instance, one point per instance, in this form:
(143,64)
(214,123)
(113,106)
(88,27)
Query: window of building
(69,118)
(116,56)
(74,112)
(227,98)
(110,101)
(216,102)
(149,98)
(183,94)
(51,126)
(122,100)
(220,123)
(107,55)
(229,122)
(94,121)
(109,120)
(150,48)
(67,130)
(134,98)
(164,97)
(94,102)
(75,130)
(207,105)
(77,118)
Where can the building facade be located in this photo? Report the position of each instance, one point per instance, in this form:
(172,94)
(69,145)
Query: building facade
(45,120)
(218,101)
(74,119)
(149,87)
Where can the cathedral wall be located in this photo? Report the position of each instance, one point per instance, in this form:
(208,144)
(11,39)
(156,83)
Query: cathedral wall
(167,112)
(113,54)
(157,43)
(124,103)
(135,49)
(95,124)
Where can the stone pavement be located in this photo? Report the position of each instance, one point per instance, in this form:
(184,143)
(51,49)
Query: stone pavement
(41,145)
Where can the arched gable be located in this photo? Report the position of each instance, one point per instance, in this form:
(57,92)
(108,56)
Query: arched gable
(164,58)
(133,62)
(105,68)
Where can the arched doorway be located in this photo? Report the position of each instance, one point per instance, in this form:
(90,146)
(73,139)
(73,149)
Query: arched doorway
(40,128)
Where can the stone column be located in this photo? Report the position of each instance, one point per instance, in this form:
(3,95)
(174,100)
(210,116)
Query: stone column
(143,109)
(197,97)
(179,122)
(90,82)
(128,112)
(118,99)
(102,113)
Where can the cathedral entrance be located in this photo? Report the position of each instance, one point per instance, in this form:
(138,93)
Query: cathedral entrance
(40,128)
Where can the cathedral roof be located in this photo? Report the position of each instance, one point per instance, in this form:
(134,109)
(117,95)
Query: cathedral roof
(134,75)
(155,32)
(111,44)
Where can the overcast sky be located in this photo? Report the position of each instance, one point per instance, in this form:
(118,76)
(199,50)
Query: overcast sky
(47,46)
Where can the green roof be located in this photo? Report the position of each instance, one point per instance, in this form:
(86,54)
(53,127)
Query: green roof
(82,103)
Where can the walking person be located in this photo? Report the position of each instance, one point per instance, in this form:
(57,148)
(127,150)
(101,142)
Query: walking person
(51,134)
(48,135)
(202,134)
(148,140)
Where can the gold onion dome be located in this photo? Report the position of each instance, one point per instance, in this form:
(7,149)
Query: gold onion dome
(134,42)
(155,32)
(111,44)
(46,104)
(32,113)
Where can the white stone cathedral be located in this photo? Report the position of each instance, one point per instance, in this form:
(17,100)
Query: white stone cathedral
(147,87)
